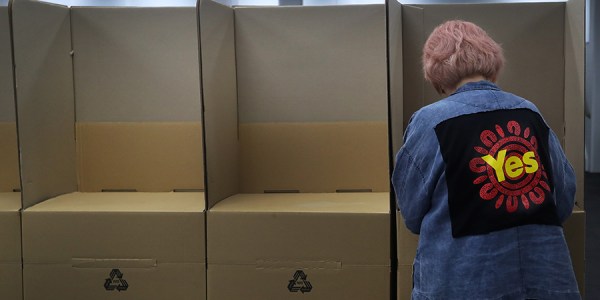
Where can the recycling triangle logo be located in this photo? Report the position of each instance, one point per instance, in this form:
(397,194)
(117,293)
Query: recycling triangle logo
(116,281)
(299,283)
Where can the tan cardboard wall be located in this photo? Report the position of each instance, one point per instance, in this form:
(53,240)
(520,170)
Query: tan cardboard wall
(133,221)
(164,281)
(148,157)
(10,247)
(574,229)
(11,281)
(321,66)
(311,64)
(9,158)
(136,64)
(396,72)
(7,96)
(46,113)
(340,240)
(220,100)
(233,282)
(314,157)
(574,90)
(138,98)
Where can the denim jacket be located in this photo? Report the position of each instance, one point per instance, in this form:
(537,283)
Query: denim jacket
(486,185)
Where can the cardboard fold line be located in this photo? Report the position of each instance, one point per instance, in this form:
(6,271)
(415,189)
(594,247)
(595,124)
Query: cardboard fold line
(298,264)
(95,263)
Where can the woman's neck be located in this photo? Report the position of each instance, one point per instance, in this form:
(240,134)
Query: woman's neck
(475,78)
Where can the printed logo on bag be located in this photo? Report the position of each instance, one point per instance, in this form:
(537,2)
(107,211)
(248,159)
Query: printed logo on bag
(300,283)
(116,281)
(498,171)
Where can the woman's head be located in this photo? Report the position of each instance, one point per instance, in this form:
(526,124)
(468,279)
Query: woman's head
(456,50)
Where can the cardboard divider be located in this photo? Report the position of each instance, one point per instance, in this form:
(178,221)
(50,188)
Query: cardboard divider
(11,285)
(45,99)
(9,158)
(109,100)
(308,119)
(11,281)
(544,51)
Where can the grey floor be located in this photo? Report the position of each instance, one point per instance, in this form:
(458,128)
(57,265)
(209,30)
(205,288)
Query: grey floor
(592,243)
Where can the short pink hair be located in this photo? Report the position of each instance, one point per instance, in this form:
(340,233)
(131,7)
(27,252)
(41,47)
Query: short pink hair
(456,50)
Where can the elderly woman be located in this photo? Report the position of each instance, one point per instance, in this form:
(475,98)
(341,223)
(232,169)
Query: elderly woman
(484,182)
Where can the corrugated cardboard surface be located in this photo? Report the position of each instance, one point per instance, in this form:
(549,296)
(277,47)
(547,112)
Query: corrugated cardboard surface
(574,89)
(9,157)
(311,64)
(11,281)
(574,229)
(7,96)
(314,157)
(336,234)
(10,246)
(405,282)
(220,100)
(407,242)
(10,227)
(396,78)
(78,238)
(44,71)
(136,64)
(149,157)
(159,282)
(233,282)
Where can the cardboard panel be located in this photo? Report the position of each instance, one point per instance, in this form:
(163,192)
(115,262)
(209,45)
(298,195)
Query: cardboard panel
(46,111)
(11,280)
(10,246)
(263,282)
(7,93)
(395,69)
(413,38)
(407,242)
(167,227)
(9,158)
(136,64)
(574,229)
(219,89)
(162,281)
(147,157)
(405,282)
(314,157)
(526,41)
(574,89)
(311,64)
(336,233)
(10,228)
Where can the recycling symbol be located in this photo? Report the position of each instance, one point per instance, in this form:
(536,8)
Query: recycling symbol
(116,281)
(299,283)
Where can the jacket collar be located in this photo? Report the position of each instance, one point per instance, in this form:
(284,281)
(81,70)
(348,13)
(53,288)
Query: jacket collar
(479,85)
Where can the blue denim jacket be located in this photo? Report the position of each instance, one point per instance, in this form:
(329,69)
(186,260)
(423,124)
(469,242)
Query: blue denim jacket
(522,262)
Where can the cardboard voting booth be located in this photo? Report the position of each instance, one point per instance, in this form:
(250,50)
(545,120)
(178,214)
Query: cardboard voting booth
(297,151)
(544,47)
(109,117)
(10,196)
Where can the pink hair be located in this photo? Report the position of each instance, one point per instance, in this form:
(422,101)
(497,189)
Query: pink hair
(456,50)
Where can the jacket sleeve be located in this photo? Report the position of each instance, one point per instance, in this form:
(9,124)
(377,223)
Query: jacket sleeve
(412,175)
(563,178)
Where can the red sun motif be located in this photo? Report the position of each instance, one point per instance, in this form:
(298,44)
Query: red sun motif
(509,168)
